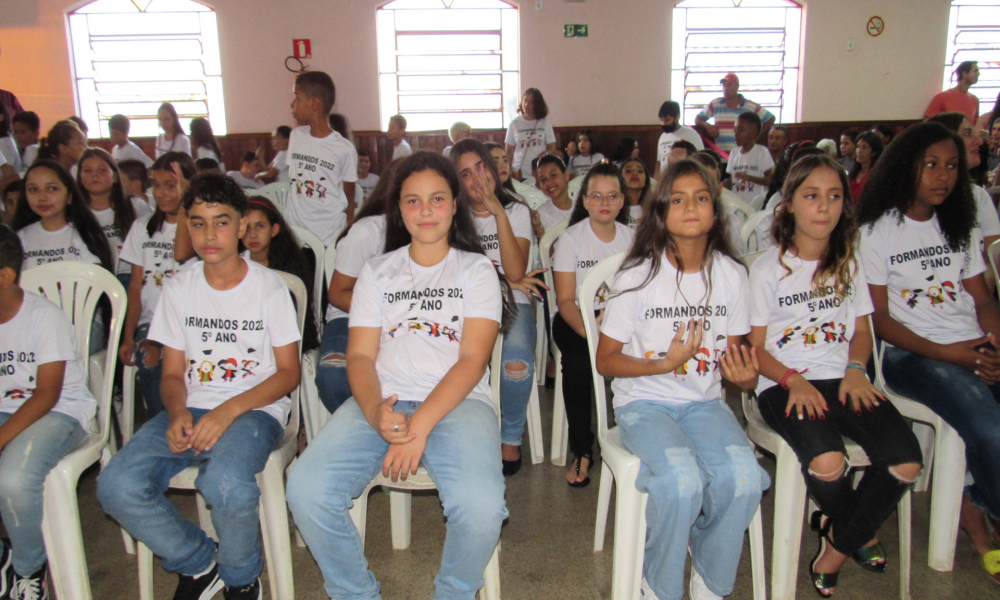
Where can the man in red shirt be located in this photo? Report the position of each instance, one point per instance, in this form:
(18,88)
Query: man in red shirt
(958,98)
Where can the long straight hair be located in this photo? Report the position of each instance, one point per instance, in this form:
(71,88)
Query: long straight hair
(462,234)
(473,145)
(649,180)
(653,240)
(186,164)
(203,137)
(580,211)
(121,205)
(839,263)
(173,115)
(77,214)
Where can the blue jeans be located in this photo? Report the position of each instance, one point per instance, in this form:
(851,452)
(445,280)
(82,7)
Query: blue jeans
(149,377)
(966,403)
(462,456)
(331,373)
(131,489)
(704,486)
(24,464)
(518,358)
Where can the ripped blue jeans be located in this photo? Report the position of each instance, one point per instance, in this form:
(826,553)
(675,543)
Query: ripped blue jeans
(518,375)
(331,373)
(704,486)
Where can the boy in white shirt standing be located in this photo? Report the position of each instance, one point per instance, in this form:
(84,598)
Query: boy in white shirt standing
(322,165)
(228,367)
(396,135)
(124,148)
(750,165)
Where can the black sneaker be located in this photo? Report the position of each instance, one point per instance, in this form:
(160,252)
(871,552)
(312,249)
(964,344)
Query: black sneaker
(6,570)
(30,588)
(199,588)
(246,592)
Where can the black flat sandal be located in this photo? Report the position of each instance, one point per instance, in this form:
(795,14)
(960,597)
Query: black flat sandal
(823,583)
(576,461)
(510,467)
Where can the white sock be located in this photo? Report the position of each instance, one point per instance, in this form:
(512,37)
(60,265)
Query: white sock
(206,571)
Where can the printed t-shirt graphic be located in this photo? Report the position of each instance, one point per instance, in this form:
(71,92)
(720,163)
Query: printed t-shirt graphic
(317,169)
(156,257)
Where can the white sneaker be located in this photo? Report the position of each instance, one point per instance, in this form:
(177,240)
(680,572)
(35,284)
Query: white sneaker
(646,592)
(698,589)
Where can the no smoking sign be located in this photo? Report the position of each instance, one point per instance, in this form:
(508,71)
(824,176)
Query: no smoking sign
(876,25)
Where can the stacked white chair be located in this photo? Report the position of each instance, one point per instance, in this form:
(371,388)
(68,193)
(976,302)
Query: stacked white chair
(273,510)
(76,287)
(621,465)
(401,495)
(560,426)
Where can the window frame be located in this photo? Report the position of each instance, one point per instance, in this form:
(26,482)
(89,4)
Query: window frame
(987,94)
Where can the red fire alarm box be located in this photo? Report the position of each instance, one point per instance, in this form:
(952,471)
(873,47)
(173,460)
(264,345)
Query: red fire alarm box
(302,48)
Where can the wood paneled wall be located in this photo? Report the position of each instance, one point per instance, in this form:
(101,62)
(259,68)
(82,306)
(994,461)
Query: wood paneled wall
(233,146)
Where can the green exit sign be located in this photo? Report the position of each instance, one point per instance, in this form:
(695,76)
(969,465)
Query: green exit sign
(578,30)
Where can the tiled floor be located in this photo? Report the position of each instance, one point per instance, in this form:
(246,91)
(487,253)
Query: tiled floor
(547,549)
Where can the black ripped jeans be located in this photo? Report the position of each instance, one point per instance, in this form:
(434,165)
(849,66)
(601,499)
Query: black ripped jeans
(856,514)
(578,384)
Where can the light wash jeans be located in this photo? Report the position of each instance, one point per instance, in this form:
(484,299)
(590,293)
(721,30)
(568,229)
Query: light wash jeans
(149,377)
(331,374)
(515,384)
(704,485)
(462,456)
(24,464)
(131,489)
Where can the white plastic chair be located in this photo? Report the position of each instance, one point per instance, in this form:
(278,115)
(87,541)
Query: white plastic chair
(276,192)
(623,466)
(738,205)
(306,238)
(533,422)
(275,535)
(533,196)
(560,426)
(573,187)
(945,457)
(993,252)
(757,202)
(76,287)
(359,196)
(314,413)
(749,230)
(400,495)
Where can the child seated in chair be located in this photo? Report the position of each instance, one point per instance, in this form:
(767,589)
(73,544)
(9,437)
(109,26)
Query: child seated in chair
(44,405)
(228,367)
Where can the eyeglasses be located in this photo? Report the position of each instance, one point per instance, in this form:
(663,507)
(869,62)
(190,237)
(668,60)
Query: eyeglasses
(600,198)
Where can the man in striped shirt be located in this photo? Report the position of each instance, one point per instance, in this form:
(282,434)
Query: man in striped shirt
(726,109)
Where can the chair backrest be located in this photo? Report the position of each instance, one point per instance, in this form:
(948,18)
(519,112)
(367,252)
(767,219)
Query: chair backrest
(757,202)
(329,262)
(533,196)
(737,204)
(993,252)
(359,196)
(750,259)
(76,287)
(544,252)
(306,238)
(603,272)
(276,192)
(573,187)
(749,230)
(298,291)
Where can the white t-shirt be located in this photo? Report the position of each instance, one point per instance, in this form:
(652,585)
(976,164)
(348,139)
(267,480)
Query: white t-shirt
(756,162)
(131,151)
(280,162)
(735,221)
(634,214)
(987,219)
(529,139)
(579,165)
(28,158)
(317,170)
(367,185)
(364,240)
(520,222)
(252,184)
(578,249)
(550,214)
(402,150)
(645,321)
(667,140)
(806,328)
(41,247)
(156,257)
(421,312)
(924,276)
(106,218)
(228,340)
(180,143)
(41,333)
(8,147)
(206,152)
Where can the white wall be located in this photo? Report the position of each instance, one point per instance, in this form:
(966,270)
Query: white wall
(618,75)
